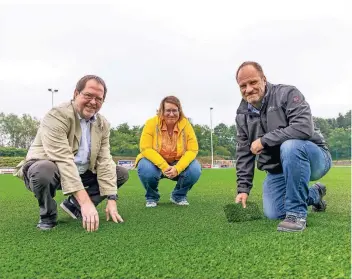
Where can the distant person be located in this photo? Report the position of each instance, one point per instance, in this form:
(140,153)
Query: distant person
(274,123)
(71,152)
(168,147)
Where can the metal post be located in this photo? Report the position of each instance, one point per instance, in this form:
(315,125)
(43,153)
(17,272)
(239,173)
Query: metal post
(52,95)
(211,138)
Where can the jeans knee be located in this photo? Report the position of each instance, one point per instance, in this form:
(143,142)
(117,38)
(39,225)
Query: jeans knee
(289,146)
(270,214)
(147,170)
(292,149)
(194,170)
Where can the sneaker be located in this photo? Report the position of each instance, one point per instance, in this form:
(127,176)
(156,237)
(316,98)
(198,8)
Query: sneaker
(151,204)
(71,209)
(321,205)
(292,224)
(181,202)
(46,226)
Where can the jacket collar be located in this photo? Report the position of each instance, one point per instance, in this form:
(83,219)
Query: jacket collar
(180,124)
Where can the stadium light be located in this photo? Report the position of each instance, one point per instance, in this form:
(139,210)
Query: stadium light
(211,138)
(52,95)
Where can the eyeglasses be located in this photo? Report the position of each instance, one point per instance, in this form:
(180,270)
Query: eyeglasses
(90,97)
(174,111)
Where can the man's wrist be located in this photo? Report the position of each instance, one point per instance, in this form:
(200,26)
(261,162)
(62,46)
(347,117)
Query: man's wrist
(242,191)
(82,197)
(263,142)
(111,197)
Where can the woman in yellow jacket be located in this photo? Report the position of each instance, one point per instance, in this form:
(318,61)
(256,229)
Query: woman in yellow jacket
(168,148)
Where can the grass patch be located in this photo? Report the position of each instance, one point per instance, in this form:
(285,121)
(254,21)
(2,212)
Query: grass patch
(236,213)
(176,242)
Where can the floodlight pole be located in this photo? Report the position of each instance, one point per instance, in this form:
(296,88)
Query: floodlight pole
(52,95)
(211,138)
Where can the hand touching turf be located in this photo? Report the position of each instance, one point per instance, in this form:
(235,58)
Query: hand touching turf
(242,197)
(90,217)
(111,211)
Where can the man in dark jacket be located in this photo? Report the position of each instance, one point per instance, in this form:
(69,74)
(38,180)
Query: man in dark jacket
(275,124)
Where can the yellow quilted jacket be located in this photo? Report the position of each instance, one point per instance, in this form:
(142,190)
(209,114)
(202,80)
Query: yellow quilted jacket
(150,144)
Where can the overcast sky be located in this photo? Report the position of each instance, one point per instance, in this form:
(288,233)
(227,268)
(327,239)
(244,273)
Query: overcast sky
(146,50)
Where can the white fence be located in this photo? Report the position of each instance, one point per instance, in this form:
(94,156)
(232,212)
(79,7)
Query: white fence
(7,170)
(128,164)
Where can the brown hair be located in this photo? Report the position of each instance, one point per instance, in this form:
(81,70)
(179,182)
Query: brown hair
(81,84)
(256,65)
(172,100)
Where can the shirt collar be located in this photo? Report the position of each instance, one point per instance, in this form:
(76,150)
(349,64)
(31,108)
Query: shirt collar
(91,120)
(164,128)
(254,109)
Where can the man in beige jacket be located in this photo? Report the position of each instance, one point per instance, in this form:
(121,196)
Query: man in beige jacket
(71,152)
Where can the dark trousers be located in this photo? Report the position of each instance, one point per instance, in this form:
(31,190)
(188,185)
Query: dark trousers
(42,177)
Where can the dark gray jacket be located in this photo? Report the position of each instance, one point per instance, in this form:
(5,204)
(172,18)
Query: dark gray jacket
(284,115)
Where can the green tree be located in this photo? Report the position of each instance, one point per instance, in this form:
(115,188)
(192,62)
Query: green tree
(203,136)
(323,125)
(125,140)
(17,131)
(28,131)
(347,120)
(340,143)
(233,140)
(226,139)
(3,134)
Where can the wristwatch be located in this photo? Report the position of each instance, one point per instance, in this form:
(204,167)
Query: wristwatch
(111,197)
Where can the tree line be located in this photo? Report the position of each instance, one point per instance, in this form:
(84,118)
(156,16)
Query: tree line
(18,132)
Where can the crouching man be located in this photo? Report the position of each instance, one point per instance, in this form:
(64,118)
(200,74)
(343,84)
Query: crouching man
(71,152)
(274,123)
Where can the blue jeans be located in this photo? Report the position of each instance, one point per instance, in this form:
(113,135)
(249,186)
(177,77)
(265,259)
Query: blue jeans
(288,193)
(149,175)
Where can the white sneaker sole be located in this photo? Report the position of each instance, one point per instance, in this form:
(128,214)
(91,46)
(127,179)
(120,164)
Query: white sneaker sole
(67,210)
(151,205)
(175,202)
(280,229)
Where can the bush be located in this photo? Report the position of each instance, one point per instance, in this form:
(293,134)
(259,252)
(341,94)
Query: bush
(12,152)
(10,162)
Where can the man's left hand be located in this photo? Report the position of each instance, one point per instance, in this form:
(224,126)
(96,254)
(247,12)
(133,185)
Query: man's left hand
(171,172)
(257,147)
(111,211)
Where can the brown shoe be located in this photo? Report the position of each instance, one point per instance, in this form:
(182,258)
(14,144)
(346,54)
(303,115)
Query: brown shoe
(292,224)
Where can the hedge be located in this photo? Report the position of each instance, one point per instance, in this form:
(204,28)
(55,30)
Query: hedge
(10,162)
(12,152)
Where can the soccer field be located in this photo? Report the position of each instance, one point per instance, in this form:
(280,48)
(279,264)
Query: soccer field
(176,242)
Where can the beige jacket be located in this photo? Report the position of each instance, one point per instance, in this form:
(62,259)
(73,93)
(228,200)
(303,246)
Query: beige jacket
(58,140)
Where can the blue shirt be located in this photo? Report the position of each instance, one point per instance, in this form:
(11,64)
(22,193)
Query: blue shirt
(254,109)
(82,157)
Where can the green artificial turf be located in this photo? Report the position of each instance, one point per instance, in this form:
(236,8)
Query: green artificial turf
(176,242)
(235,212)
